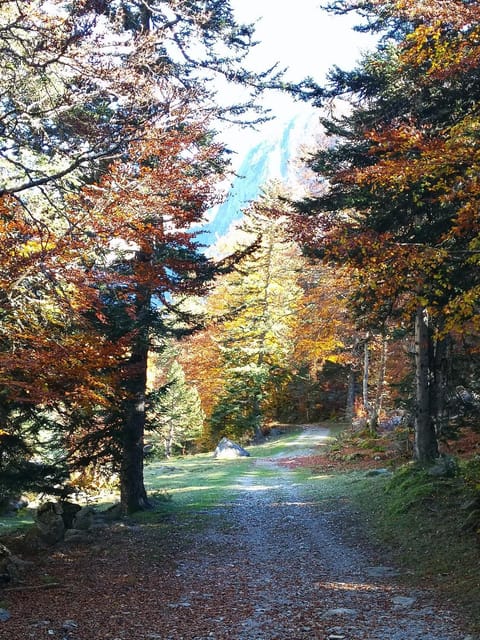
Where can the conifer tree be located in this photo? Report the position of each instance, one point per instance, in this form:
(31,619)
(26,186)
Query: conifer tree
(84,86)
(256,343)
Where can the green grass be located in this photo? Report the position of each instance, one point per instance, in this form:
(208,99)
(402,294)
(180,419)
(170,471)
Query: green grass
(19,521)
(193,484)
(199,482)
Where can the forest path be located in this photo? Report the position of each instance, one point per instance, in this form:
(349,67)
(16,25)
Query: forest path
(270,562)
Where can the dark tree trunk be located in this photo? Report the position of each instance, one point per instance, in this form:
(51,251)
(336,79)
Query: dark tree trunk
(425,447)
(132,490)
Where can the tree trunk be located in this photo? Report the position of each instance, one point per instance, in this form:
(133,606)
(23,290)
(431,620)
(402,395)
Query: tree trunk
(441,370)
(349,409)
(169,439)
(366,373)
(426,447)
(377,404)
(132,490)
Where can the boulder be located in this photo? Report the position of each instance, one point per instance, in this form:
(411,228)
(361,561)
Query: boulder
(78,536)
(83,519)
(4,615)
(444,467)
(12,568)
(115,512)
(69,511)
(49,521)
(227,450)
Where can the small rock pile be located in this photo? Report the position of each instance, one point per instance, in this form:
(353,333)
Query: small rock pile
(67,522)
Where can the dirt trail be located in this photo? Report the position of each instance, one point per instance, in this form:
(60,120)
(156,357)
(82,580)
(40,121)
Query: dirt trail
(268,564)
(283,570)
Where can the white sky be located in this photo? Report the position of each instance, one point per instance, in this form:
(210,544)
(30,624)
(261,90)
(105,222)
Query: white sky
(303,37)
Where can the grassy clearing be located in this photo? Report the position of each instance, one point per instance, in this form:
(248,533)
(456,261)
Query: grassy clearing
(15,522)
(195,483)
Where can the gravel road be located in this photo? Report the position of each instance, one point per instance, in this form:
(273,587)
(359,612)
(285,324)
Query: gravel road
(275,566)
(269,563)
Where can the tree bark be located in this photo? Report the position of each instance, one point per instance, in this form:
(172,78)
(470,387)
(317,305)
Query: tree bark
(441,370)
(133,495)
(349,409)
(366,373)
(377,404)
(425,447)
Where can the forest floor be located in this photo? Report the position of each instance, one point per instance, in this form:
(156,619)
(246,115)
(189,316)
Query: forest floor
(267,558)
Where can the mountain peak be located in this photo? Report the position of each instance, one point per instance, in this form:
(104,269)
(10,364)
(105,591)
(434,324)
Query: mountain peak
(276,157)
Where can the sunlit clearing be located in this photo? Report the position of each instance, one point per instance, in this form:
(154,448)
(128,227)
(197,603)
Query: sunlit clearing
(257,487)
(205,487)
(319,440)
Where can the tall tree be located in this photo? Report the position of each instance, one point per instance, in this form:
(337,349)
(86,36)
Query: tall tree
(392,210)
(142,211)
(260,301)
(84,86)
(174,412)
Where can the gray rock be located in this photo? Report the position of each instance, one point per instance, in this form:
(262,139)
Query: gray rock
(77,536)
(50,523)
(382,572)
(12,568)
(227,450)
(6,563)
(444,467)
(340,611)
(69,625)
(4,615)
(83,520)
(69,511)
(113,513)
(403,601)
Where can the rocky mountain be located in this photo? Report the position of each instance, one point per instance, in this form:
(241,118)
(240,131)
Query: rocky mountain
(277,157)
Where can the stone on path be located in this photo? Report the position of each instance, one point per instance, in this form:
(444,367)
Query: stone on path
(340,611)
(403,601)
(4,615)
(227,450)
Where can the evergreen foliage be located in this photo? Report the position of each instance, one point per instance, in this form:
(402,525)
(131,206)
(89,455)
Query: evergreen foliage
(88,90)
